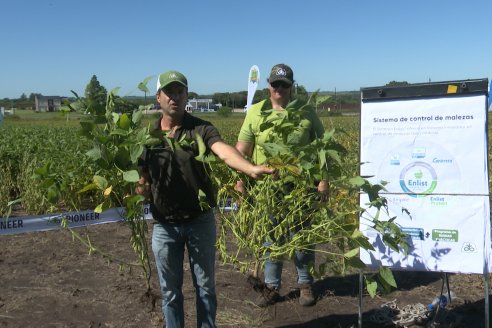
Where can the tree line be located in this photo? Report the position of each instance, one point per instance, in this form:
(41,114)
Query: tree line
(95,96)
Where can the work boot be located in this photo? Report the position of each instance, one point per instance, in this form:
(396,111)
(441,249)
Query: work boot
(306,295)
(268,296)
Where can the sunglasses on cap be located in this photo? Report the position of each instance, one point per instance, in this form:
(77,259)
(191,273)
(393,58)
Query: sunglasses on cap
(278,84)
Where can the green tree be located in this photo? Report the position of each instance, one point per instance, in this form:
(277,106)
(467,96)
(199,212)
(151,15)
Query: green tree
(396,84)
(95,96)
(32,96)
(224,111)
(260,95)
(300,92)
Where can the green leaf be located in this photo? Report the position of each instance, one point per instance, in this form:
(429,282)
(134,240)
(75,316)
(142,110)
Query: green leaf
(48,182)
(99,208)
(357,181)
(135,152)
(137,117)
(142,86)
(391,242)
(355,262)
(94,153)
(103,206)
(352,253)
(131,176)
(87,128)
(201,148)
(371,286)
(134,200)
(122,159)
(321,99)
(322,157)
(43,170)
(124,122)
(90,186)
(361,240)
(120,132)
(333,154)
(115,117)
(14,202)
(100,182)
(52,194)
(275,149)
(387,276)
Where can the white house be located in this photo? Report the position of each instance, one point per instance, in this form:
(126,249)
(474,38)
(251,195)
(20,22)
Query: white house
(48,103)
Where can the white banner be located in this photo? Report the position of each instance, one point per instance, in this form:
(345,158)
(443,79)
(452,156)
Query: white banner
(16,225)
(433,154)
(253,80)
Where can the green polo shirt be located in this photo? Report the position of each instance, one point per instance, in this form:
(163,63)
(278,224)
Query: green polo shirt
(308,130)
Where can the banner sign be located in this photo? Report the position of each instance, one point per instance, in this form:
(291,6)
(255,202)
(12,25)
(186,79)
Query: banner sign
(432,152)
(253,80)
(17,225)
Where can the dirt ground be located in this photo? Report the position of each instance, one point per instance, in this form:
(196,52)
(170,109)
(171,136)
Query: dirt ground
(49,280)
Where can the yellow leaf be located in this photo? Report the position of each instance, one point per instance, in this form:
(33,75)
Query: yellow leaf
(99,208)
(107,191)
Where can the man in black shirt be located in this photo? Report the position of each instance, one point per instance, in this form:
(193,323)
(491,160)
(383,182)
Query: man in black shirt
(182,199)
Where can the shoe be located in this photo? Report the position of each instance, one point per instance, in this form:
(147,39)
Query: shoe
(306,295)
(268,296)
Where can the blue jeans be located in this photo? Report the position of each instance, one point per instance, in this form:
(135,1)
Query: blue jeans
(302,260)
(168,244)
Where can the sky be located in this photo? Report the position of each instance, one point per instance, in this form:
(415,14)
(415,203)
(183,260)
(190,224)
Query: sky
(55,46)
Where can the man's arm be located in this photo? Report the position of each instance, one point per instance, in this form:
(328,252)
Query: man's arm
(233,158)
(245,148)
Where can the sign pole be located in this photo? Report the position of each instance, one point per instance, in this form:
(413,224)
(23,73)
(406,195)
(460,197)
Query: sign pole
(361,284)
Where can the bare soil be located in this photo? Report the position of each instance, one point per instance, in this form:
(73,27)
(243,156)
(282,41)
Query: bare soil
(49,280)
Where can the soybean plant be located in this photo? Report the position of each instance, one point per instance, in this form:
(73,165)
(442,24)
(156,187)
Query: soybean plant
(284,212)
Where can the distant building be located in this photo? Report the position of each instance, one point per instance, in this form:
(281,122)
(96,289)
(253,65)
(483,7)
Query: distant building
(202,105)
(48,103)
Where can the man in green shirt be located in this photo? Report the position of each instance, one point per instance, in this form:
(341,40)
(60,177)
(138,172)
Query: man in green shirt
(250,143)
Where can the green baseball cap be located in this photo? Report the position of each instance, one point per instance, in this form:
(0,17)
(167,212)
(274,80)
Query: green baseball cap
(169,77)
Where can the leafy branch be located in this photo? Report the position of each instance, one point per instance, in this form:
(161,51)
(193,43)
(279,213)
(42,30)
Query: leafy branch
(284,212)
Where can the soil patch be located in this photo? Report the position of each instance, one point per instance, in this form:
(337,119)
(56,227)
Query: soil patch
(50,280)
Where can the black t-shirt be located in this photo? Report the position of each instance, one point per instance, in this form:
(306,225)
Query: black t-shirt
(176,176)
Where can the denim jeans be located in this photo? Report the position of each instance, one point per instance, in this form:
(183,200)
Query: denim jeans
(168,244)
(302,260)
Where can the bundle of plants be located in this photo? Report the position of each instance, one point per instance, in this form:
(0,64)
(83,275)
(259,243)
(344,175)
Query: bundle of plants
(284,212)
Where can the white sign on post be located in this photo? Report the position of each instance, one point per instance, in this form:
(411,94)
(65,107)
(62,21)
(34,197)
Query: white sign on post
(253,80)
(432,152)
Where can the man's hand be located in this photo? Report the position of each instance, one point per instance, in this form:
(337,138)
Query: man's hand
(143,187)
(239,187)
(324,190)
(259,170)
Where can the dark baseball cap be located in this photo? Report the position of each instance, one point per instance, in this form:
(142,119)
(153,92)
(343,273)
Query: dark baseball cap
(169,77)
(281,72)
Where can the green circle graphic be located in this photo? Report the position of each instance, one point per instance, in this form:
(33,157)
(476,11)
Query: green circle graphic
(418,187)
